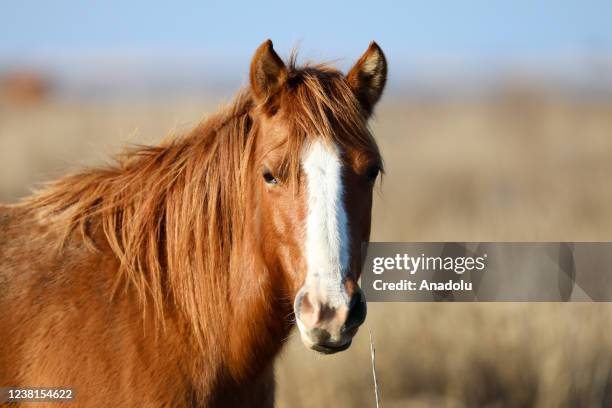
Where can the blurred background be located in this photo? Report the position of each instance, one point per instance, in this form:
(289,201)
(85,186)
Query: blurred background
(496,126)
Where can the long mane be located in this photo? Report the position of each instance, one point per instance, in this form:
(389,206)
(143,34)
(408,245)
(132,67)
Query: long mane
(173,214)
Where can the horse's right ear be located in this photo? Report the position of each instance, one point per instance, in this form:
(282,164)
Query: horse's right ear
(268,72)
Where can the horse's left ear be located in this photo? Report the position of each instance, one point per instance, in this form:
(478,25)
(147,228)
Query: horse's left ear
(268,72)
(368,77)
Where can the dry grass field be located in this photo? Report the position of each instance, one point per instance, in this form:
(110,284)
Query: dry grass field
(514,167)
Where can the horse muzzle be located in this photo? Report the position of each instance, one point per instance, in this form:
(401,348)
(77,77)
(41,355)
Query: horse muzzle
(328,325)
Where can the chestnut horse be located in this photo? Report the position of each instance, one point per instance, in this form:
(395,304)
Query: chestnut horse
(173,278)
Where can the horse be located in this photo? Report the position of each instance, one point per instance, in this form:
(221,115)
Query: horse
(173,276)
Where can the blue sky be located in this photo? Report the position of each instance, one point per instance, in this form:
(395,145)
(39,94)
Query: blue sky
(229,32)
(470,27)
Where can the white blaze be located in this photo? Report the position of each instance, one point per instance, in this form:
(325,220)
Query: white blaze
(327,251)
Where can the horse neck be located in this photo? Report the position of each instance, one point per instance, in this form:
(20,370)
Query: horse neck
(261,311)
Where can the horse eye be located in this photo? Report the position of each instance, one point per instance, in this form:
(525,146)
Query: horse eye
(372,173)
(269,178)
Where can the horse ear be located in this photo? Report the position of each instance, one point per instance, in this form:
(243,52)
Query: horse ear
(368,77)
(268,72)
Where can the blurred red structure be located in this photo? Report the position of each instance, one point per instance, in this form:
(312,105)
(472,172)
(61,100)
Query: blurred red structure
(24,87)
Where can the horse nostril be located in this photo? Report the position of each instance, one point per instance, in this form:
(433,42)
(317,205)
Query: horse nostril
(357,311)
(307,309)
